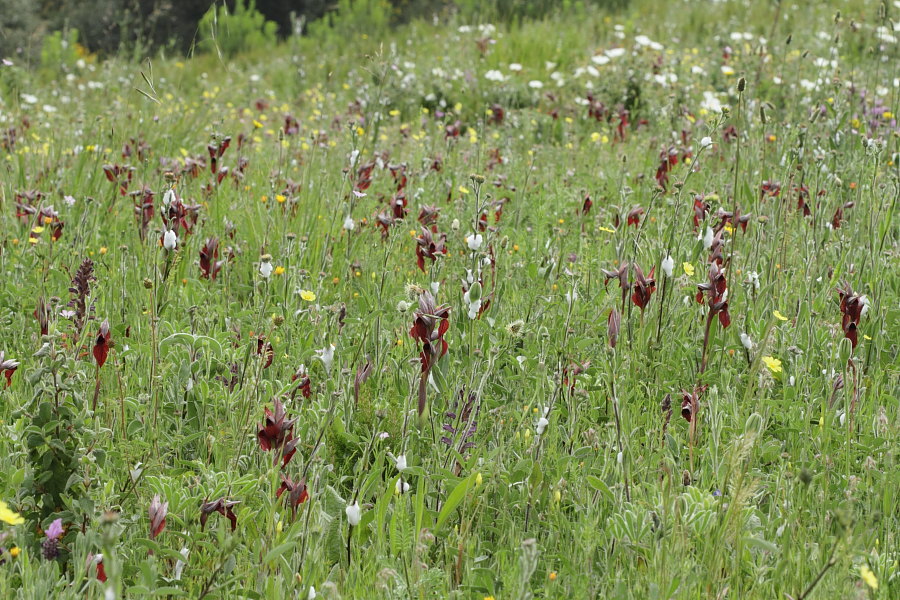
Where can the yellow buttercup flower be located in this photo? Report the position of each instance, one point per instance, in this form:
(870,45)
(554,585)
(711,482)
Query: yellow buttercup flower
(779,316)
(279,270)
(688,269)
(772,363)
(8,516)
(307,295)
(869,577)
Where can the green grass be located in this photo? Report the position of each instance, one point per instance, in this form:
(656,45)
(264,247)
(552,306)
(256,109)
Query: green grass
(784,484)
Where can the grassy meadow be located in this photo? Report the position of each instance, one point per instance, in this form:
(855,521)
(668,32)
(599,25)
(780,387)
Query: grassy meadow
(601,305)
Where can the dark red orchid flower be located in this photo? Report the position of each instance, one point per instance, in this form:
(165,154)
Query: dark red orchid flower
(497,114)
(613,323)
(429,327)
(428,215)
(716,249)
(770,188)
(623,124)
(266,350)
(839,214)
(120,175)
(622,275)
(429,244)
(223,507)
(729,134)
(42,314)
(690,402)
(667,160)
(596,109)
(385,221)
(137,147)
(143,209)
(179,216)
(714,289)
(158,512)
(494,159)
(305,383)
(643,287)
(362,374)
(852,307)
(734,218)
(216,151)
(8,366)
(291,125)
(101,344)
(802,199)
(96,561)
(398,173)
(701,208)
(277,433)
(634,216)
(572,371)
(27,203)
(430,324)
(586,206)
(44,216)
(398,205)
(209,263)
(453,130)
(364,176)
(297,492)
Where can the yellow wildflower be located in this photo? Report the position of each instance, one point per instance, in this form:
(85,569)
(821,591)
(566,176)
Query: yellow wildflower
(8,516)
(307,295)
(869,577)
(772,363)
(688,269)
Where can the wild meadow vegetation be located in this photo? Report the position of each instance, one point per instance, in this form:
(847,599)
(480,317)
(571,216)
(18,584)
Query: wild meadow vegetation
(599,305)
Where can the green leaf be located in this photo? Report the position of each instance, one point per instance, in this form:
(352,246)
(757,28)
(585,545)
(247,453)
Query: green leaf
(277,551)
(455,498)
(597,484)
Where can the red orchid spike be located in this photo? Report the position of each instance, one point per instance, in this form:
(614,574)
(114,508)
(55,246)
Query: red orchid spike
(223,507)
(277,433)
(634,216)
(364,176)
(770,188)
(643,287)
(265,349)
(42,314)
(613,323)
(297,492)
(305,385)
(158,512)
(429,244)
(852,308)
(429,327)
(690,402)
(101,344)
(8,367)
(701,208)
(586,205)
(209,263)
(497,114)
(715,290)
